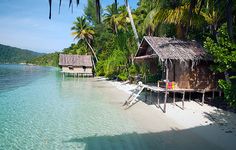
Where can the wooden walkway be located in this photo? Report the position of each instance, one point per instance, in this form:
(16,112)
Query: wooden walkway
(133,97)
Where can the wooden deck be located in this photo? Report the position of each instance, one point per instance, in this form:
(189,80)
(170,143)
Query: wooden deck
(159,90)
(76,74)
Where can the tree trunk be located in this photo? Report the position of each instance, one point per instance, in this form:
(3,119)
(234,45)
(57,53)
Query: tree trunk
(180,31)
(98,10)
(116,4)
(190,14)
(94,54)
(132,22)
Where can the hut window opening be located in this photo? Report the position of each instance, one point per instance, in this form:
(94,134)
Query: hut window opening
(71,67)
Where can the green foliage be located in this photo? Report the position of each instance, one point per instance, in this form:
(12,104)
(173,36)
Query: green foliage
(80,49)
(133,70)
(229,90)
(90,12)
(223,51)
(224,57)
(10,54)
(123,76)
(100,68)
(115,64)
(46,60)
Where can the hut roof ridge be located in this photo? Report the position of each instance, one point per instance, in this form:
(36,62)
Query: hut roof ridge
(75,60)
(171,48)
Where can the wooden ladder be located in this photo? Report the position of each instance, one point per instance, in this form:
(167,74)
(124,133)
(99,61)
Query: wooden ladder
(132,98)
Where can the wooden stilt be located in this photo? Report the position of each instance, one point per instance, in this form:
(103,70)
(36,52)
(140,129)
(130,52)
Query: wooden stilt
(213,94)
(158,99)
(174,98)
(183,100)
(203,97)
(145,94)
(150,96)
(165,101)
(167,71)
(189,96)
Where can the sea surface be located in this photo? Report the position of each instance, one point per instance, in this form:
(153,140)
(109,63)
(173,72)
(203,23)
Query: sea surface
(40,110)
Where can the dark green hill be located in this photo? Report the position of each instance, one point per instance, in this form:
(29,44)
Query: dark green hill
(46,60)
(10,54)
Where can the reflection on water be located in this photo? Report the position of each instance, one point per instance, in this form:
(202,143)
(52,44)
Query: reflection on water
(40,110)
(14,76)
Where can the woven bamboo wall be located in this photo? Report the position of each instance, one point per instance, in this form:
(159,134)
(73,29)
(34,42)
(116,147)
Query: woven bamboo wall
(200,77)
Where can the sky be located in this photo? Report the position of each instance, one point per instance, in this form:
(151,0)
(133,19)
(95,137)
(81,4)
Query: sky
(25,24)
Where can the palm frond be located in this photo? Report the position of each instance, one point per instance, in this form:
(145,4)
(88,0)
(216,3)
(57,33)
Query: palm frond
(77,2)
(50,9)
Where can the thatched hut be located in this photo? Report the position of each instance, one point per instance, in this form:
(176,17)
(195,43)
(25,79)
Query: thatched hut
(76,64)
(185,63)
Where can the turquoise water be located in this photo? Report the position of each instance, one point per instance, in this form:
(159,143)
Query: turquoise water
(40,110)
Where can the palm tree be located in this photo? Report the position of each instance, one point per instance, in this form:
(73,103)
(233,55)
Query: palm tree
(82,30)
(177,13)
(132,22)
(97,3)
(98,12)
(110,17)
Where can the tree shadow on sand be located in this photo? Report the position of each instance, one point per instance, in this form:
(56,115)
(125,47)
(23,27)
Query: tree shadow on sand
(168,140)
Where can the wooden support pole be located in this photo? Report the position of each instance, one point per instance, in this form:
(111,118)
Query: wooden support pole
(165,101)
(158,99)
(150,94)
(167,71)
(183,100)
(189,96)
(145,94)
(174,98)
(203,97)
(213,94)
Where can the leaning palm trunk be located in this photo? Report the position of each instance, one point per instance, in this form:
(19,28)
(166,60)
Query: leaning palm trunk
(94,54)
(132,22)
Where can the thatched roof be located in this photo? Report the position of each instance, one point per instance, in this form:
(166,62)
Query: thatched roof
(75,60)
(170,48)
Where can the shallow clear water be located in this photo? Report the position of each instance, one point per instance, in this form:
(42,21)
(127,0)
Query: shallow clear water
(40,110)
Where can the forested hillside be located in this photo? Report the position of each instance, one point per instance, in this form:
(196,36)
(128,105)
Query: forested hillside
(10,54)
(46,60)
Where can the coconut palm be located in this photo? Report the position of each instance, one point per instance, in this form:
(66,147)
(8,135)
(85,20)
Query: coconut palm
(110,17)
(98,12)
(82,31)
(132,22)
(175,13)
(97,3)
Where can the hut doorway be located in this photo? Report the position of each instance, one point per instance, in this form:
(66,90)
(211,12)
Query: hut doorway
(84,67)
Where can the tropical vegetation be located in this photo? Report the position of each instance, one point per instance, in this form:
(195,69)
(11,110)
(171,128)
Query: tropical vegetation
(112,34)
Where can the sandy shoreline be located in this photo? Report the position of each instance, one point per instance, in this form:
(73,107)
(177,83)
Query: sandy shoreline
(196,127)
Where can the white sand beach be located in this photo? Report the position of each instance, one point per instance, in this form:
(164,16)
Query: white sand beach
(195,127)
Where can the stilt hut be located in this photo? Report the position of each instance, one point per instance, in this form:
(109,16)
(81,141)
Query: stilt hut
(184,62)
(185,65)
(78,65)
